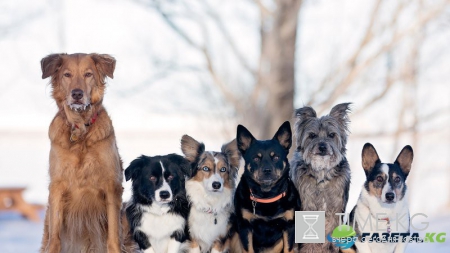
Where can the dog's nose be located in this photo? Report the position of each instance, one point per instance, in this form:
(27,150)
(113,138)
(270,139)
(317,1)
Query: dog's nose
(216,185)
(390,196)
(322,147)
(267,170)
(77,94)
(164,194)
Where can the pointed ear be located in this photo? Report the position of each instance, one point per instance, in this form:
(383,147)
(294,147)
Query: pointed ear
(404,159)
(244,139)
(191,148)
(304,113)
(369,158)
(51,64)
(284,136)
(135,166)
(340,113)
(232,153)
(105,64)
(182,162)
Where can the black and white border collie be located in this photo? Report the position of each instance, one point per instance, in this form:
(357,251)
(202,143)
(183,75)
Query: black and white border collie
(210,192)
(383,204)
(158,210)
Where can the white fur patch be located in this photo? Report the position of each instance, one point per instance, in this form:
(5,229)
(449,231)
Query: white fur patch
(371,209)
(165,187)
(387,186)
(214,178)
(159,225)
(208,218)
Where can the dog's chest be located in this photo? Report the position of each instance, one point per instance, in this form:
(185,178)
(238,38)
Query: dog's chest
(159,225)
(207,227)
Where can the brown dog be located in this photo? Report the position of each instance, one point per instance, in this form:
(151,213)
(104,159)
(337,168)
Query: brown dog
(85,168)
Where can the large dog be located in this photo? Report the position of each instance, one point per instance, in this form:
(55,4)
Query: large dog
(320,170)
(85,198)
(210,191)
(265,199)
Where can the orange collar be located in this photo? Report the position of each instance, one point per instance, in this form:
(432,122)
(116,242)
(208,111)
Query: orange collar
(266,201)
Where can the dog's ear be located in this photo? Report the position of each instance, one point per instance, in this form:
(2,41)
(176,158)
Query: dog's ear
(244,139)
(105,64)
(340,113)
(369,158)
(191,148)
(284,136)
(182,162)
(232,153)
(305,112)
(404,159)
(135,166)
(51,64)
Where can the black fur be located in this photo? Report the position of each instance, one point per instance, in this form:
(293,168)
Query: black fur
(267,177)
(140,171)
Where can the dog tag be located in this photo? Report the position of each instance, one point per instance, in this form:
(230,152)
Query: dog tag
(254,205)
(73,137)
(215,221)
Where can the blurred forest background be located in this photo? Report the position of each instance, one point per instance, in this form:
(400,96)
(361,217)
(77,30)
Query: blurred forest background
(202,67)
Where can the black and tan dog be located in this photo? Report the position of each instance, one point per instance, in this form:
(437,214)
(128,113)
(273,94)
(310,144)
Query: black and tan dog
(265,199)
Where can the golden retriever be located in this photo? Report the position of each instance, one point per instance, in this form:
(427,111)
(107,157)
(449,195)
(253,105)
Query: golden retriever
(84,203)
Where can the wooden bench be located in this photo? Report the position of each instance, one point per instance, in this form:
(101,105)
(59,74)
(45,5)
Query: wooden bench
(11,199)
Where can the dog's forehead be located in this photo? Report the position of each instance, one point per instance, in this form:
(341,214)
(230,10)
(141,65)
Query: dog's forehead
(77,61)
(394,169)
(265,147)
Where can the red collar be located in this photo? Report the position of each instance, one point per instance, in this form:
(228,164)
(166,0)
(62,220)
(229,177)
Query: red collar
(92,121)
(266,201)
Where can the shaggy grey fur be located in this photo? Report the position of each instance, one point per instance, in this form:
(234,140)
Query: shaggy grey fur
(320,170)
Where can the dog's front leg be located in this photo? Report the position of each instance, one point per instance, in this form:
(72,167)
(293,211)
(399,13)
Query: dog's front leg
(113,205)
(246,236)
(175,241)
(56,216)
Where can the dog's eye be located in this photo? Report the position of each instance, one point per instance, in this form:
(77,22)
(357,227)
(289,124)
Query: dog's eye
(312,135)
(331,135)
(380,179)
(205,168)
(256,159)
(88,74)
(397,180)
(153,178)
(223,169)
(275,158)
(170,177)
(67,75)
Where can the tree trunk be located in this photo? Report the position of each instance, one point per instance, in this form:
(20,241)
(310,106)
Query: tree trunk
(273,96)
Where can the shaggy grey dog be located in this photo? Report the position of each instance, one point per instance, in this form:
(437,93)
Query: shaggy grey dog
(320,170)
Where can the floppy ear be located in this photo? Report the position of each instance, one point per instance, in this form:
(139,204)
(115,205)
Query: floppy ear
(182,162)
(51,64)
(232,153)
(105,64)
(284,136)
(404,159)
(135,166)
(340,113)
(369,158)
(191,148)
(244,139)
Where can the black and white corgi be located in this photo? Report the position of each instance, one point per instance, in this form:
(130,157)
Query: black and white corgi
(383,204)
(158,210)
(210,192)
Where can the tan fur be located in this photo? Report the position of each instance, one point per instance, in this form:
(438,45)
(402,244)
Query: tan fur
(85,197)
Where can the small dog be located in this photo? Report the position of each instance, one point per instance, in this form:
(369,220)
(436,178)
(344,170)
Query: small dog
(158,210)
(320,170)
(265,199)
(382,200)
(85,188)
(210,192)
